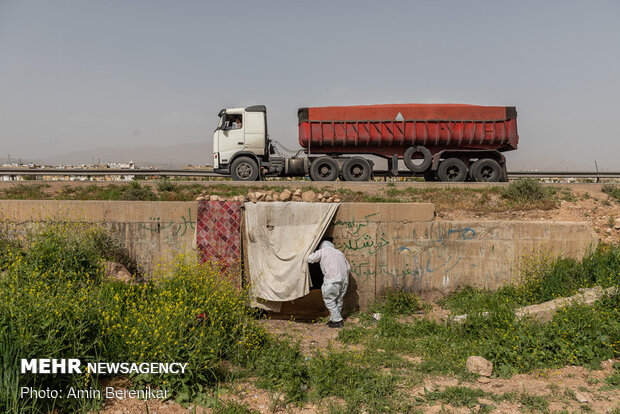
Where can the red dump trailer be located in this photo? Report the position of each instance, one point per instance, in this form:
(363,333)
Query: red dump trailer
(421,134)
(445,142)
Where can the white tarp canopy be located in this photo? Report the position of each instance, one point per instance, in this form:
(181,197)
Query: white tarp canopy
(279,239)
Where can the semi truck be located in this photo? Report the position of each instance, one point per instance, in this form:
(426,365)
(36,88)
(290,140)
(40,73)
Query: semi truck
(441,142)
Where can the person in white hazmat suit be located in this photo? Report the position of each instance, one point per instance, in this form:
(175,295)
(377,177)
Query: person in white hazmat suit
(335,269)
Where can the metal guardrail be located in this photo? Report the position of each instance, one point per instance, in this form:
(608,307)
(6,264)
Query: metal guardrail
(563,174)
(91,172)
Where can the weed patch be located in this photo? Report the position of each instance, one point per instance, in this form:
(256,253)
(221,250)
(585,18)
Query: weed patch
(54,304)
(612,191)
(456,396)
(25,192)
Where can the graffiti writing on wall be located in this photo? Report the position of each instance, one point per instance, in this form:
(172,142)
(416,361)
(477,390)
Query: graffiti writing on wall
(359,239)
(179,227)
(442,232)
(417,257)
(364,271)
(354,227)
(405,259)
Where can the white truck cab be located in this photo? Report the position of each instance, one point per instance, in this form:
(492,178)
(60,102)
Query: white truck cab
(241,134)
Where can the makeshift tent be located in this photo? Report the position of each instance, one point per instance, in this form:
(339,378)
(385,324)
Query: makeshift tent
(279,238)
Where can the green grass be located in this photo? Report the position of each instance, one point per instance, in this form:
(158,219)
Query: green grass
(54,303)
(25,192)
(543,278)
(612,191)
(577,335)
(456,396)
(613,381)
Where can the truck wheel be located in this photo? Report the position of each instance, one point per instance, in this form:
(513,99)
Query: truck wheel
(453,170)
(414,153)
(324,169)
(244,169)
(356,169)
(486,170)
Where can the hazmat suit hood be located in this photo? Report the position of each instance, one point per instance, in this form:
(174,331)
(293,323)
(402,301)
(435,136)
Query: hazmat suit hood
(326,243)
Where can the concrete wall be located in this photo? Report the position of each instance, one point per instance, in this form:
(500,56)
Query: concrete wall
(402,246)
(152,231)
(388,245)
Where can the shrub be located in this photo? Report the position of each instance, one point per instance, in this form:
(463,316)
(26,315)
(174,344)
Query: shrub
(525,190)
(397,302)
(137,192)
(53,305)
(612,190)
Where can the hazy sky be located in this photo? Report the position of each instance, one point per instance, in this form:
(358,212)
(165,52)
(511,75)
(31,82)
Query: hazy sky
(77,75)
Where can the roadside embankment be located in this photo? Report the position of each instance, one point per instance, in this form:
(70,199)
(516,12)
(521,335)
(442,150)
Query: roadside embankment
(389,245)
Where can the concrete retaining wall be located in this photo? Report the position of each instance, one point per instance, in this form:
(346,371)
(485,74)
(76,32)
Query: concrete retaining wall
(153,231)
(394,246)
(388,245)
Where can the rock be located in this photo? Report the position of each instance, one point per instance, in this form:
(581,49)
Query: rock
(336,200)
(253,197)
(268,197)
(241,199)
(286,195)
(117,271)
(581,397)
(200,198)
(380,350)
(330,199)
(326,195)
(296,198)
(236,198)
(479,365)
(617,223)
(297,192)
(320,197)
(484,380)
(214,198)
(608,230)
(276,197)
(308,196)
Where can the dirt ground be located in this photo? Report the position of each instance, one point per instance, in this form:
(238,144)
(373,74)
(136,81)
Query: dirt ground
(572,388)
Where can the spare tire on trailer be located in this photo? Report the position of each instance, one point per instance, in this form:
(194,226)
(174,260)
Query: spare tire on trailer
(356,169)
(244,169)
(452,170)
(427,158)
(486,170)
(324,169)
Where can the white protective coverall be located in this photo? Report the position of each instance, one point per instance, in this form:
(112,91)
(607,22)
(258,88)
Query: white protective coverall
(335,270)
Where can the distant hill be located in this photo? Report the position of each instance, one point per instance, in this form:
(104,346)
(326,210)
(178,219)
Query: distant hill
(173,156)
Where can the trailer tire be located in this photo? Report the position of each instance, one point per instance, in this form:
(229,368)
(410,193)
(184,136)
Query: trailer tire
(356,169)
(452,170)
(324,169)
(427,158)
(244,169)
(486,170)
